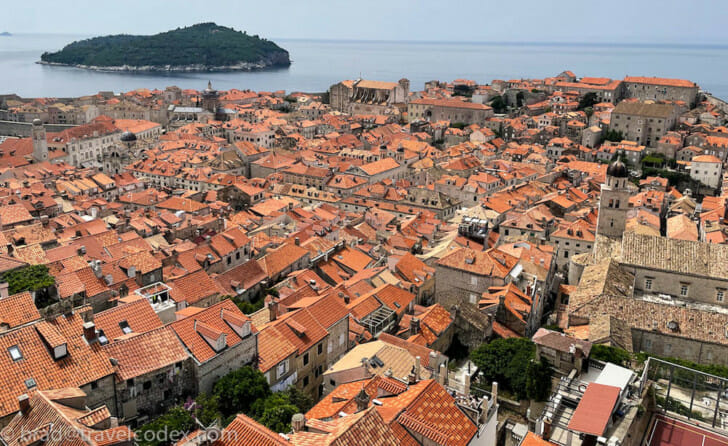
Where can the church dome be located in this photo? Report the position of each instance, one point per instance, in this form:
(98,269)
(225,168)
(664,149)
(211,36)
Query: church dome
(128,137)
(617,169)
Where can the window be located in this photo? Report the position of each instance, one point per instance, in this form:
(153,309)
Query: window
(15,353)
(320,348)
(282,368)
(648,284)
(668,348)
(473,280)
(305,359)
(30,383)
(719,295)
(473,298)
(147,385)
(305,381)
(683,290)
(124,325)
(342,339)
(648,343)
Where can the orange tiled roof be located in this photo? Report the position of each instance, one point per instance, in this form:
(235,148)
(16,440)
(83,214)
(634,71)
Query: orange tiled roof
(138,315)
(212,316)
(17,310)
(82,365)
(146,353)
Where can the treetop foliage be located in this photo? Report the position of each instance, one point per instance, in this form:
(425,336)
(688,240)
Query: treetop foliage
(204,44)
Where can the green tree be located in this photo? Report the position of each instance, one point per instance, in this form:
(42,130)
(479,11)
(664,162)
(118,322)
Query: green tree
(588,100)
(302,400)
(498,104)
(607,353)
(511,362)
(166,429)
(30,278)
(275,412)
(207,409)
(538,380)
(613,135)
(239,389)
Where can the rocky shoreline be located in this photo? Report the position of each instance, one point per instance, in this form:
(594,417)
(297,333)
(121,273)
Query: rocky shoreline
(197,68)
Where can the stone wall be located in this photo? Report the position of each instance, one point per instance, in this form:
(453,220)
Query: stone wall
(662,344)
(23,129)
(231,359)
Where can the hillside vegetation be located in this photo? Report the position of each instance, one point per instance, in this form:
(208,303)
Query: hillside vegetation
(205,44)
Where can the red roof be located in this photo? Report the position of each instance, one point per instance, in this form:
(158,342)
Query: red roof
(595,409)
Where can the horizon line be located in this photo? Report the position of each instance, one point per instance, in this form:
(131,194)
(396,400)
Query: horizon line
(445,42)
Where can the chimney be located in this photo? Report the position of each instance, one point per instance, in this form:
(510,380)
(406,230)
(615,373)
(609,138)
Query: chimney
(89,332)
(412,377)
(414,326)
(362,400)
(298,422)
(24,404)
(466,384)
(297,241)
(546,429)
(272,310)
(442,376)
(96,267)
(418,367)
(494,392)
(4,290)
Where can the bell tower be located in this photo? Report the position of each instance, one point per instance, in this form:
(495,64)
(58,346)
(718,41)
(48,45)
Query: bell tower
(40,143)
(614,201)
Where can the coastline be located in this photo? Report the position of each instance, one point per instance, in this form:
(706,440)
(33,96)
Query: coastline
(195,68)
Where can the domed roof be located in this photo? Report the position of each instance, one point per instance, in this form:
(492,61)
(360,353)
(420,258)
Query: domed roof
(37,121)
(617,169)
(128,136)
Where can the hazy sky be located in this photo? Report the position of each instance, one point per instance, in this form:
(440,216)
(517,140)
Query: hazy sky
(635,21)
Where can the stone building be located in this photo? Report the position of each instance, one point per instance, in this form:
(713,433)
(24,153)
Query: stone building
(614,201)
(644,122)
(153,373)
(452,110)
(660,89)
(220,339)
(605,308)
(707,169)
(368,97)
(687,270)
(467,274)
(40,143)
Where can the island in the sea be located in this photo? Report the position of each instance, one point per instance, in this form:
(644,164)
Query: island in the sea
(201,47)
(5,34)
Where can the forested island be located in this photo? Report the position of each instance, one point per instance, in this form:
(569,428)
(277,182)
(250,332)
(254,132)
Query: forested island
(201,47)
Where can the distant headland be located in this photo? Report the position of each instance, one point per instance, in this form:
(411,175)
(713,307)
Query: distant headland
(5,34)
(201,47)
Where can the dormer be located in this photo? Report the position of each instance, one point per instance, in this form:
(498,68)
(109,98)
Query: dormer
(238,323)
(52,338)
(297,328)
(214,337)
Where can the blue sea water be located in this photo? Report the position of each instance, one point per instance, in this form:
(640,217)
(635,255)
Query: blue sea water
(319,63)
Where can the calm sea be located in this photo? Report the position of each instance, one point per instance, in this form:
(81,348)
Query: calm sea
(319,63)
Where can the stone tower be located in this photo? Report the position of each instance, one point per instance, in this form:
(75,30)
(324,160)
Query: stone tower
(40,143)
(614,201)
(210,100)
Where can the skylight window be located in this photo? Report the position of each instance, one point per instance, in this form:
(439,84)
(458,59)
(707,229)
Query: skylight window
(30,383)
(15,353)
(125,327)
(103,340)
